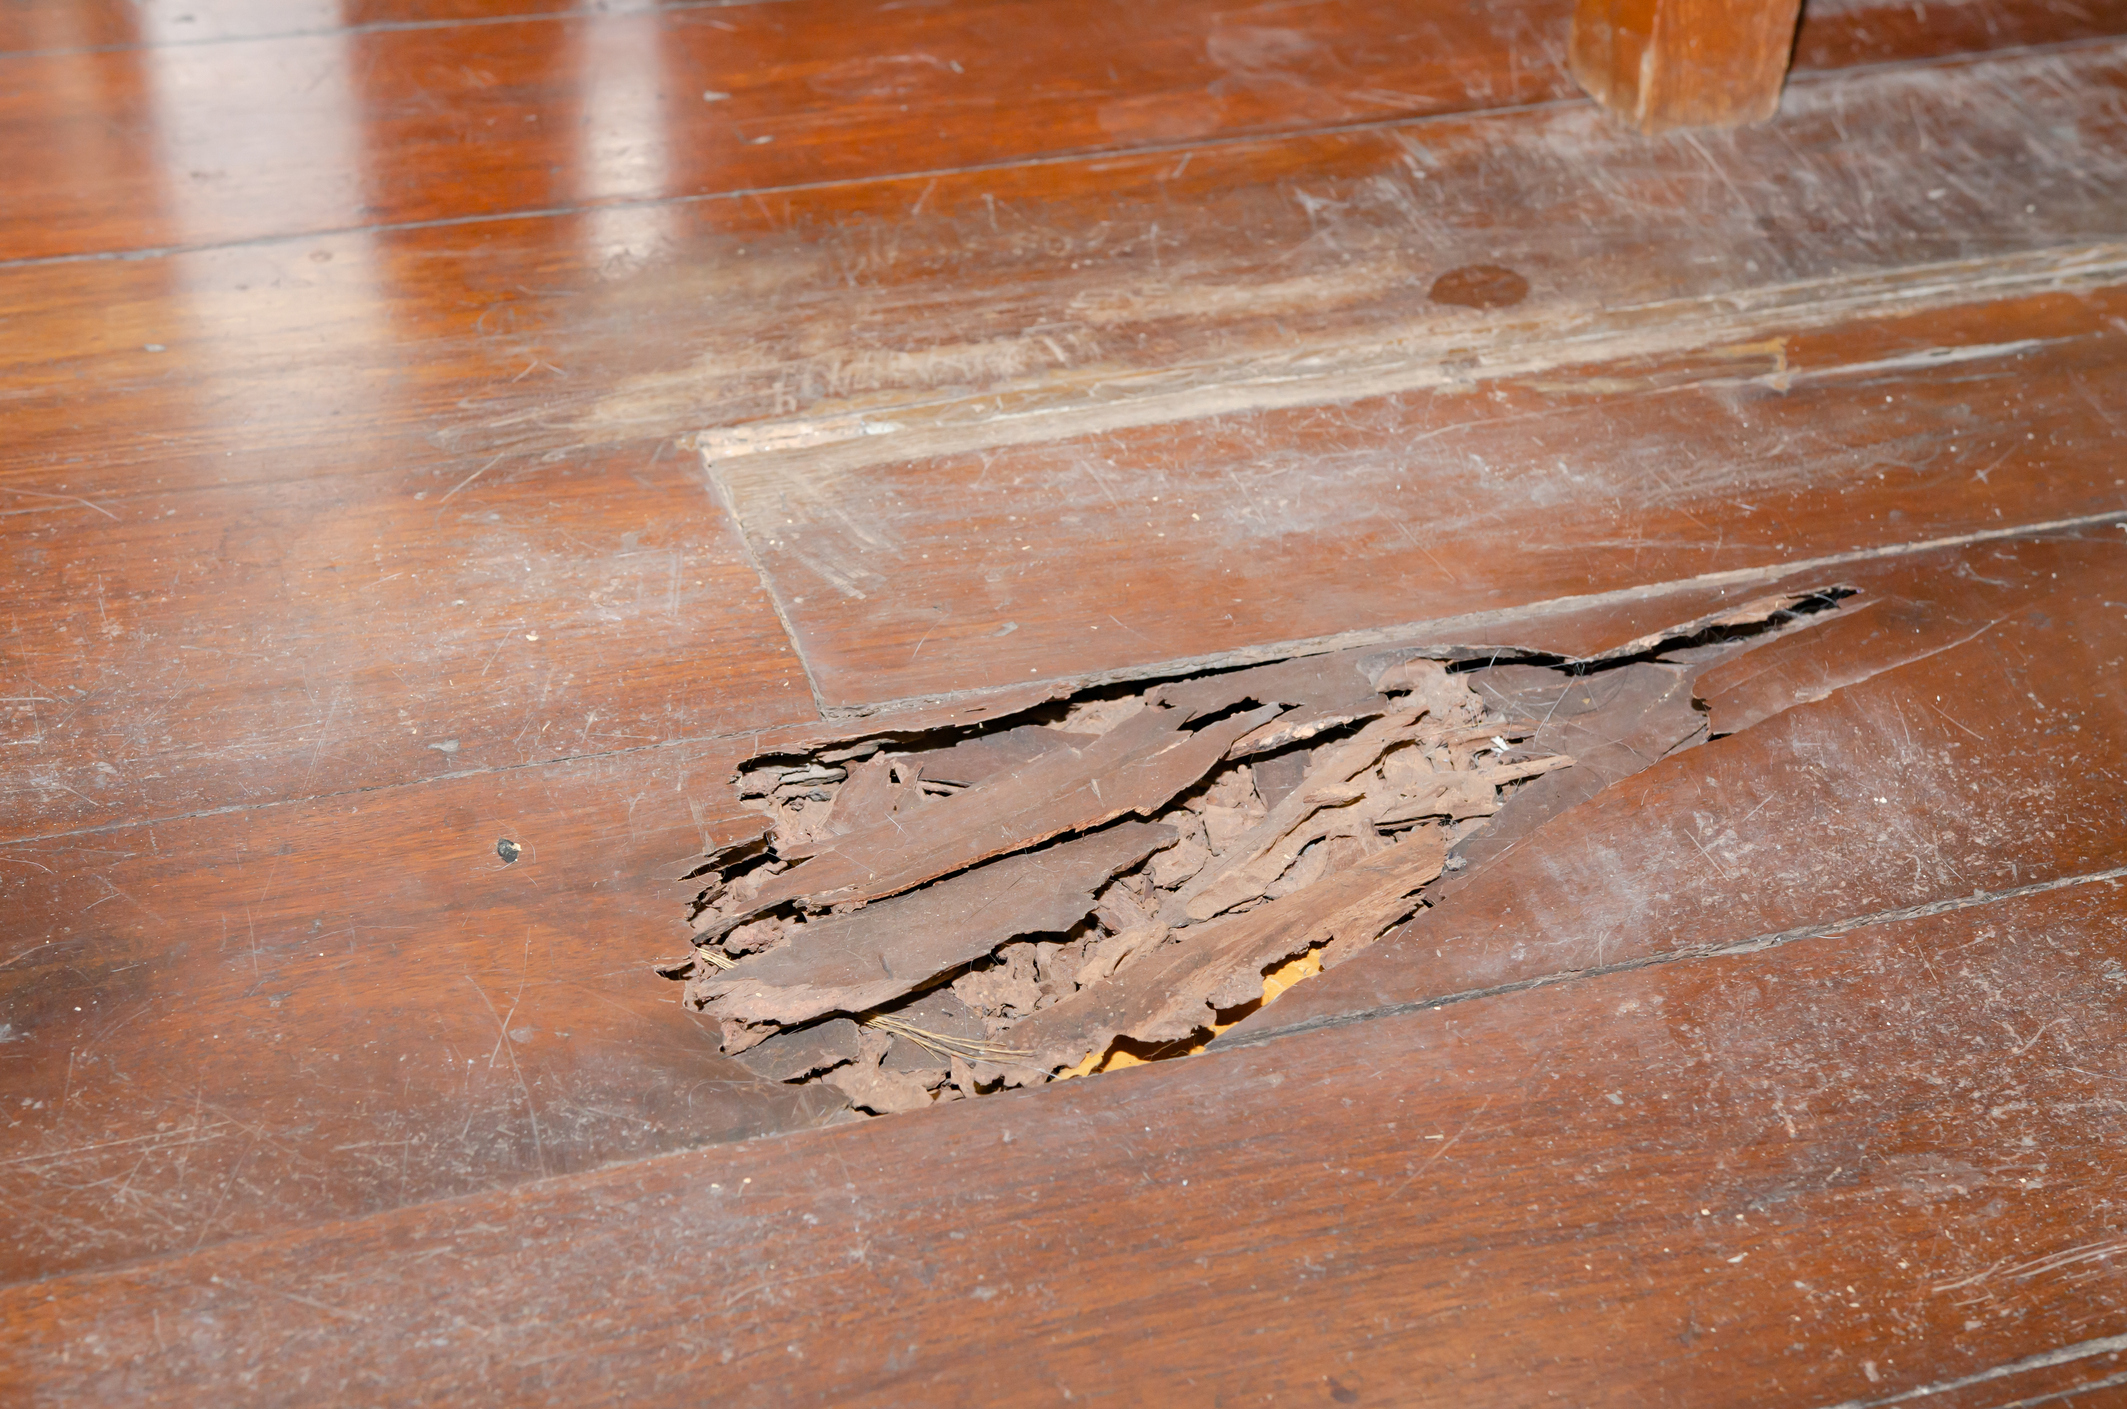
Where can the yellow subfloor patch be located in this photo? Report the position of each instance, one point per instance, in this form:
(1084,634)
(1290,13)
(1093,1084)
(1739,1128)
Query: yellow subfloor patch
(1124,1053)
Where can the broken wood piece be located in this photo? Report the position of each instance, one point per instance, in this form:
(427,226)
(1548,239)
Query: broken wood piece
(1468,794)
(1334,766)
(1107,955)
(1323,692)
(802,1051)
(1138,767)
(1613,722)
(1336,681)
(1338,811)
(867,799)
(1662,64)
(983,756)
(855,962)
(1278,774)
(1176,988)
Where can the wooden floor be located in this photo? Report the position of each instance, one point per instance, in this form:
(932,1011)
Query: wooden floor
(431,423)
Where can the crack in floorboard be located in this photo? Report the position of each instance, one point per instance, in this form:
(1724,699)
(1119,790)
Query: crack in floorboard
(1755,944)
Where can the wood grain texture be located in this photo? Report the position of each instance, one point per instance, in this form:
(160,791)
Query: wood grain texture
(1853,1167)
(1308,265)
(312,1095)
(312,118)
(307,391)
(246,558)
(179,648)
(316,132)
(1974,757)
(285,1015)
(1665,64)
(44,26)
(1833,33)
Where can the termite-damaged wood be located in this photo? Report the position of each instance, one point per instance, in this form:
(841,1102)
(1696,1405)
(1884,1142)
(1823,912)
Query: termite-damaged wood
(853,962)
(1136,767)
(939,912)
(931,915)
(1185,978)
(1612,723)
(1111,866)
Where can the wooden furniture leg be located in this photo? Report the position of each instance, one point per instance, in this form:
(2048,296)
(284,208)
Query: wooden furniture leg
(1661,64)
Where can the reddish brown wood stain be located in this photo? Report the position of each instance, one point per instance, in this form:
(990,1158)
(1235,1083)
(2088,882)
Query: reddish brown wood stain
(436,428)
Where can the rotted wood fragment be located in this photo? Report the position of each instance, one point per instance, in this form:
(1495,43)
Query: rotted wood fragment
(984,756)
(800,1052)
(926,918)
(1002,877)
(1175,988)
(1321,693)
(1137,767)
(1329,802)
(854,962)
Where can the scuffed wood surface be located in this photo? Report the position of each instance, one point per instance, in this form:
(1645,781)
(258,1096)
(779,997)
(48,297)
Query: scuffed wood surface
(806,93)
(1850,1168)
(1701,292)
(582,105)
(282,1016)
(1424,506)
(414,494)
(280,517)
(1985,764)
(229,622)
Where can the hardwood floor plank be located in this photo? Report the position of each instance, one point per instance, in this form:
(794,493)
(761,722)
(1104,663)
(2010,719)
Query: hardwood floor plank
(198,647)
(126,141)
(43,26)
(322,132)
(1832,34)
(1968,745)
(1837,34)
(1399,517)
(230,1024)
(248,556)
(1853,1167)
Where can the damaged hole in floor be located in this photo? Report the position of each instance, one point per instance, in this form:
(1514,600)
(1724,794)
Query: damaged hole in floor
(1108,880)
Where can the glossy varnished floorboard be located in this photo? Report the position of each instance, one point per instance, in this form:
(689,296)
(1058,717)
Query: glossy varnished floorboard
(431,424)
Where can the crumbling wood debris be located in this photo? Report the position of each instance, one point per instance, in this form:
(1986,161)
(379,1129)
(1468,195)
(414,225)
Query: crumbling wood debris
(1184,978)
(1135,767)
(1121,867)
(853,962)
(928,916)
